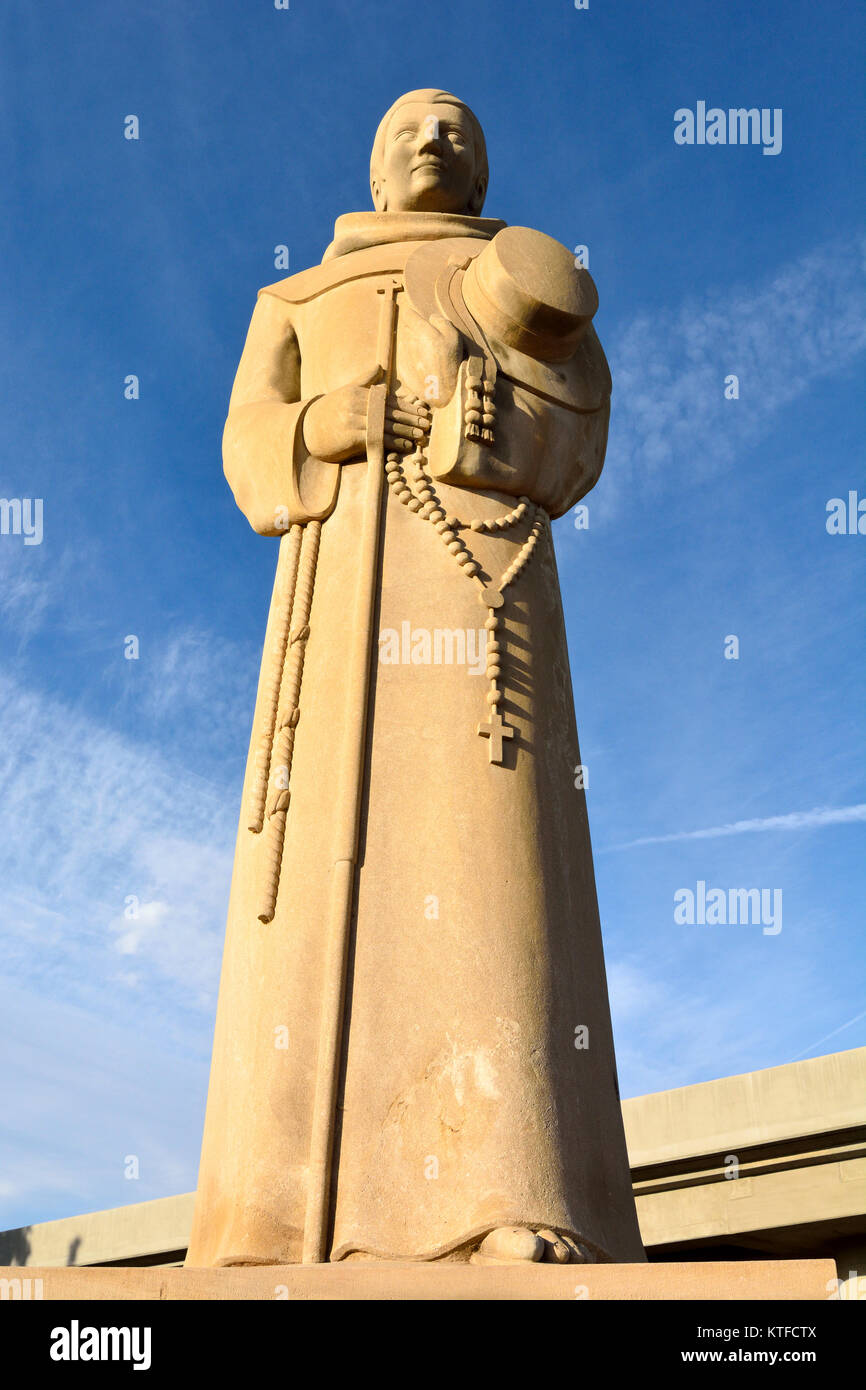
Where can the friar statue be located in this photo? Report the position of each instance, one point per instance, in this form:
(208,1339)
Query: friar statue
(413,1056)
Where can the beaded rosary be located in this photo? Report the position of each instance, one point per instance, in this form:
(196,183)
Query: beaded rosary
(422,500)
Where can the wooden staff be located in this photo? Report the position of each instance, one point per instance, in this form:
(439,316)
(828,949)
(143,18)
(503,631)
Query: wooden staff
(348,802)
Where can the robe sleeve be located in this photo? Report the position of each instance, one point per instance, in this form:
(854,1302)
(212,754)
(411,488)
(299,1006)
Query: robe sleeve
(576,458)
(578,438)
(274,479)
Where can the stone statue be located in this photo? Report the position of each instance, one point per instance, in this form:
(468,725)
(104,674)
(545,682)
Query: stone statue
(413,1055)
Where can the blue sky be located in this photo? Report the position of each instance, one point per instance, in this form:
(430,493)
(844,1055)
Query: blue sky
(122,778)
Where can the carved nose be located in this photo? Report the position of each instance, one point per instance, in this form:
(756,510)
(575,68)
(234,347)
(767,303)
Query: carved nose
(431,144)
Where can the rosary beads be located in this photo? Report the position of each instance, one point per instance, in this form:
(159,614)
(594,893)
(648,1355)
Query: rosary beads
(422,500)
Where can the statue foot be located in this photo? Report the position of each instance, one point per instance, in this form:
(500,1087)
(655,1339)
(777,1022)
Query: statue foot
(519,1244)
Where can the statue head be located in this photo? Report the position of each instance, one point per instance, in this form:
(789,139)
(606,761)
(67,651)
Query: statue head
(429,155)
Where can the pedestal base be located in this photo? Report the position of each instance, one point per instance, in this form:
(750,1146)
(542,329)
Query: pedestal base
(812,1280)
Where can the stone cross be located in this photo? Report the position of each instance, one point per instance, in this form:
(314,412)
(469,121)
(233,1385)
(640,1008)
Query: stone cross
(496,730)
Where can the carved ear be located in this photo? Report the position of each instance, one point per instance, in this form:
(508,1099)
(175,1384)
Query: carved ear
(476,202)
(380,202)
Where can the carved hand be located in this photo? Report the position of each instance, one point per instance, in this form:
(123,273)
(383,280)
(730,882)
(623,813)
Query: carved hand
(429,356)
(335,425)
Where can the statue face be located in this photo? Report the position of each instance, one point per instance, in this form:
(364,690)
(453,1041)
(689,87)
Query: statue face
(429,163)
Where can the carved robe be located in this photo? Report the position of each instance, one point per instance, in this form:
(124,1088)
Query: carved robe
(467,1100)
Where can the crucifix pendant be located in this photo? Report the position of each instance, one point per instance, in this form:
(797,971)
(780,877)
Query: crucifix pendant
(496,730)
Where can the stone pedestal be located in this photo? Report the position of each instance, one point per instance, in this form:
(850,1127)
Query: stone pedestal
(809,1280)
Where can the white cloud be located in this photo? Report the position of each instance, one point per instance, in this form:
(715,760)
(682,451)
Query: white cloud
(681,1018)
(191,688)
(144,920)
(806,322)
(32,580)
(90,818)
(669,1033)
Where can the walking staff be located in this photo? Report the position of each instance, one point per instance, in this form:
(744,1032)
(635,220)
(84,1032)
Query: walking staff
(349,799)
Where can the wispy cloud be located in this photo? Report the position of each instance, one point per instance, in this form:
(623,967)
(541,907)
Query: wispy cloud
(672,1032)
(190,684)
(794,820)
(778,337)
(115,861)
(32,580)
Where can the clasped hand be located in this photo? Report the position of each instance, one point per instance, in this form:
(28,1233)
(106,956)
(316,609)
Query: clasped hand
(335,426)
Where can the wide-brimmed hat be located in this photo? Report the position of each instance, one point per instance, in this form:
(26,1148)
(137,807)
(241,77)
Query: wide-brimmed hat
(532,304)
(525,290)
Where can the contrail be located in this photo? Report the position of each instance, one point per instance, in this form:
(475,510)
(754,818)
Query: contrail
(795,820)
(855,1019)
